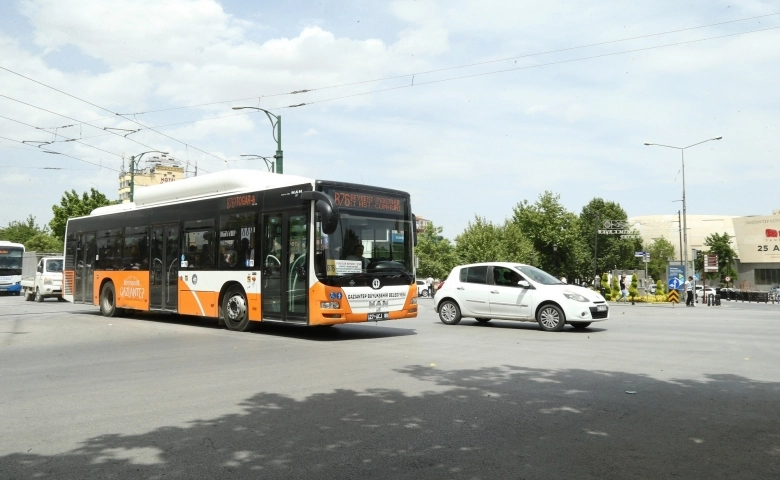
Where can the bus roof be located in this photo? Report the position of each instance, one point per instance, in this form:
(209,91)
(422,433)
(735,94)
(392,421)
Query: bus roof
(7,244)
(227,182)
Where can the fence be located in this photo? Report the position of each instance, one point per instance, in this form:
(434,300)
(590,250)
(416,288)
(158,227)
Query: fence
(747,296)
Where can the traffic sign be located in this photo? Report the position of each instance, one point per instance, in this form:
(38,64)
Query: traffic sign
(696,276)
(639,254)
(674,283)
(710,263)
(728,279)
(673,296)
(630,235)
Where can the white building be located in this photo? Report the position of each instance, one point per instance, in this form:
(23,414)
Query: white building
(755,239)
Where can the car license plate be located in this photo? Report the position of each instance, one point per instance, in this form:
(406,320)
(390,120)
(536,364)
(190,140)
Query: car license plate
(378,316)
(601,308)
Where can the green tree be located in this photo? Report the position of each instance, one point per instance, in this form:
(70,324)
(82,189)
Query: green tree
(435,253)
(660,288)
(20,232)
(615,288)
(44,242)
(661,251)
(605,285)
(633,292)
(34,237)
(554,234)
(479,242)
(613,251)
(483,241)
(72,205)
(720,245)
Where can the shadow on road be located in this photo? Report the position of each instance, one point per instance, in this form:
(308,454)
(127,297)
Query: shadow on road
(484,423)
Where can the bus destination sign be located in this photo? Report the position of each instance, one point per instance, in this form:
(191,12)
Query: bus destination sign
(239,201)
(365,201)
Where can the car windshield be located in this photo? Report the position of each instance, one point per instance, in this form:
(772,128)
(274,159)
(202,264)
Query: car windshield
(537,275)
(54,266)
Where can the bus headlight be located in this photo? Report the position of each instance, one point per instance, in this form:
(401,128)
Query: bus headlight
(329,305)
(414,301)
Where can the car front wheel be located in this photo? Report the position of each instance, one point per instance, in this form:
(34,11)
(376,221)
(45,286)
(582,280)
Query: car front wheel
(449,312)
(551,318)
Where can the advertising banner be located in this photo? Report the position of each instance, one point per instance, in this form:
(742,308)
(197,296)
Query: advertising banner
(758,239)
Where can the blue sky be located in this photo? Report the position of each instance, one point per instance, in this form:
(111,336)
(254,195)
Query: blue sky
(509,123)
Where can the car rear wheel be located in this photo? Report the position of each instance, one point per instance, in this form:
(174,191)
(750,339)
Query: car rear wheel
(424,293)
(38,296)
(482,320)
(551,318)
(28,295)
(580,325)
(449,312)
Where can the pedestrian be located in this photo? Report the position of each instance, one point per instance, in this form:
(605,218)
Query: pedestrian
(429,283)
(689,292)
(563,278)
(623,289)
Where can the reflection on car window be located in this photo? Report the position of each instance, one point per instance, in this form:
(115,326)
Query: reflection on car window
(538,276)
(506,277)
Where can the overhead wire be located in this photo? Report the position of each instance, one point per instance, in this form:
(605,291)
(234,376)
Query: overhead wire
(526,67)
(110,111)
(65,155)
(474,64)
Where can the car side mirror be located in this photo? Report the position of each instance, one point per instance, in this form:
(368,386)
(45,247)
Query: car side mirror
(524,284)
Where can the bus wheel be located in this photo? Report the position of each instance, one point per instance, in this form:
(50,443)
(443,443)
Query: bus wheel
(108,300)
(234,310)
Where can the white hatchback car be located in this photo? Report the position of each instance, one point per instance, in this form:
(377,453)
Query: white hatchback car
(513,291)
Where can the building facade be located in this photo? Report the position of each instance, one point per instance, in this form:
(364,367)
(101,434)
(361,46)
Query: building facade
(155,171)
(756,239)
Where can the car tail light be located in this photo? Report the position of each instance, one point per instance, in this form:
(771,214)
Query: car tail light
(441,284)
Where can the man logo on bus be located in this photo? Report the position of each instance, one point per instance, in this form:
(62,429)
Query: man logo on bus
(375,284)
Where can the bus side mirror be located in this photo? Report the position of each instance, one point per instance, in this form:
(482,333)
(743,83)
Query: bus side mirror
(327,208)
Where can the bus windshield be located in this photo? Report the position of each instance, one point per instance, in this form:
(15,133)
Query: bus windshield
(11,260)
(365,243)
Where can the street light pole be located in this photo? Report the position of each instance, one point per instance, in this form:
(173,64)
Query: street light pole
(133,162)
(276,126)
(685,216)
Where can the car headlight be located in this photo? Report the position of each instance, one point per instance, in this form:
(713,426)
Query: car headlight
(575,296)
(47,280)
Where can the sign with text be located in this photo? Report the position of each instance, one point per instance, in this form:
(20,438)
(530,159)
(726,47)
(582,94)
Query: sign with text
(710,263)
(758,239)
(367,201)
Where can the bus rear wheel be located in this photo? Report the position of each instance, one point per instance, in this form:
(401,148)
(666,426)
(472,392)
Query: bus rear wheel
(235,311)
(108,300)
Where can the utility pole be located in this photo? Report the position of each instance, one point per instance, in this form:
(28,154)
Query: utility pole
(596,275)
(276,127)
(133,162)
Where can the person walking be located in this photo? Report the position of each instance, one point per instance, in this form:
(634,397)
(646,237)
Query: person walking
(429,282)
(689,292)
(623,289)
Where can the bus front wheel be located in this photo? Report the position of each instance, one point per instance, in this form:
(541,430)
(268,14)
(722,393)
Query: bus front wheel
(108,300)
(234,310)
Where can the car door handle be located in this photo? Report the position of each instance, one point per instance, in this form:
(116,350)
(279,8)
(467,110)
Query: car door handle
(461,288)
(494,291)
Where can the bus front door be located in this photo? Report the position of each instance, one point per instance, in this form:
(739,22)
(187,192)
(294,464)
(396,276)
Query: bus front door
(285,263)
(164,274)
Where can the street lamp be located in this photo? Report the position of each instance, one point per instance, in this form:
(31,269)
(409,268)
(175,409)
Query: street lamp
(268,162)
(276,127)
(133,162)
(555,255)
(684,219)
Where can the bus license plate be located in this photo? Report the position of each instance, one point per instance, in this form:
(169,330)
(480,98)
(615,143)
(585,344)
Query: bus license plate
(601,308)
(379,316)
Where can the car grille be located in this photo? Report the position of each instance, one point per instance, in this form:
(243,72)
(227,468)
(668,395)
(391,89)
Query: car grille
(594,313)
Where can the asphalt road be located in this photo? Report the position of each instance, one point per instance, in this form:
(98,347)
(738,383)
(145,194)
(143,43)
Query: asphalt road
(655,392)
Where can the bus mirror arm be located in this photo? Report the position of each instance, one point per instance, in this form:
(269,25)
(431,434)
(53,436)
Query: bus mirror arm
(327,208)
(414,229)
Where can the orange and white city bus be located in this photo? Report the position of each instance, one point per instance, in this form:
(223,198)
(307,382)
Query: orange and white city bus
(245,246)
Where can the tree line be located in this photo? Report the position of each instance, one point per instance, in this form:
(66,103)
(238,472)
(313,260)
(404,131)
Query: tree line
(546,235)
